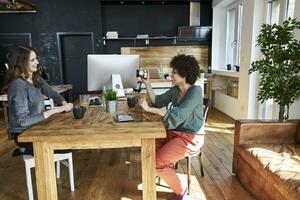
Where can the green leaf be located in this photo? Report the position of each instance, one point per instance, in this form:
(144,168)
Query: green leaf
(110,95)
(279,68)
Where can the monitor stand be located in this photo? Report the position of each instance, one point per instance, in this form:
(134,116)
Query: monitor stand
(117,85)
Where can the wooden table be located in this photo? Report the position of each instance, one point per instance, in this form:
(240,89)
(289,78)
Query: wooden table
(58,88)
(96,130)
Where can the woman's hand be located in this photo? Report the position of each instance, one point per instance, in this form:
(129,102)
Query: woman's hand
(146,81)
(149,88)
(67,107)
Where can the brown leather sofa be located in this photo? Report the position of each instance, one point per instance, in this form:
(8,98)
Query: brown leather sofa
(266,158)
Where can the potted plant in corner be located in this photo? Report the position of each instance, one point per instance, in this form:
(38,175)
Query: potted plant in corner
(111,100)
(202,71)
(279,68)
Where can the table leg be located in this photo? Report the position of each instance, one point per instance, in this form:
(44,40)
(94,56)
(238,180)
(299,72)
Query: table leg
(148,169)
(45,171)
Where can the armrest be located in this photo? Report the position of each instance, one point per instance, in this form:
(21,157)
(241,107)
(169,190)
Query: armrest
(267,132)
(262,131)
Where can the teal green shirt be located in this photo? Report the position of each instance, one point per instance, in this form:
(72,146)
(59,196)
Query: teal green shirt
(185,115)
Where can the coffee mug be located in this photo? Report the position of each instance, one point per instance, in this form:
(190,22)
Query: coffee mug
(78,112)
(228,67)
(131,101)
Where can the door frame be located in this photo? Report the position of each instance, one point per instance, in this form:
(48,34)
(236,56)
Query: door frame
(58,36)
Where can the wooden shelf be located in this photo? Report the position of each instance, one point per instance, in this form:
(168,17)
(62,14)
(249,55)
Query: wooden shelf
(226,73)
(224,92)
(175,39)
(149,38)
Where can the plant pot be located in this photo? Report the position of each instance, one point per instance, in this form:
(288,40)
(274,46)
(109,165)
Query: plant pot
(202,75)
(111,106)
(284,112)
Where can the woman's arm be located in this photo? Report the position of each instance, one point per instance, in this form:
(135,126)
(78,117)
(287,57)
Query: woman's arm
(57,98)
(53,111)
(48,91)
(65,107)
(159,111)
(179,114)
(149,89)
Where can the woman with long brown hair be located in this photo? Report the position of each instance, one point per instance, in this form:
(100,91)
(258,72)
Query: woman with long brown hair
(26,91)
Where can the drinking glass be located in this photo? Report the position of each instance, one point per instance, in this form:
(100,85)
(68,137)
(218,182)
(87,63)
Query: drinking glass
(84,100)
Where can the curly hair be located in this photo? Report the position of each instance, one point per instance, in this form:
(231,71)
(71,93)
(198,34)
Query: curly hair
(18,62)
(187,67)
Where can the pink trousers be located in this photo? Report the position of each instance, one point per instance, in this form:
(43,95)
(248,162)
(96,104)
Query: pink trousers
(170,150)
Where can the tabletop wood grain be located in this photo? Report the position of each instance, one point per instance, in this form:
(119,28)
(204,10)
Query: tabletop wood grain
(96,123)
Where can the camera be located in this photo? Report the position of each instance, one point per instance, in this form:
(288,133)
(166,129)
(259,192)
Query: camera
(142,73)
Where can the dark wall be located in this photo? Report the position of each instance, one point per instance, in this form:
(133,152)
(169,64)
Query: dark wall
(52,17)
(152,18)
(155,20)
(96,17)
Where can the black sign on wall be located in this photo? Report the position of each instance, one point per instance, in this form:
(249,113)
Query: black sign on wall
(48,56)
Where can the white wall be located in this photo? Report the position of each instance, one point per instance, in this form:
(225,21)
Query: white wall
(219,38)
(239,108)
(245,106)
(258,20)
(295,108)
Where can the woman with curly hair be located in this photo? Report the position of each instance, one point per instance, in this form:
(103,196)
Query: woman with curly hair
(26,91)
(182,114)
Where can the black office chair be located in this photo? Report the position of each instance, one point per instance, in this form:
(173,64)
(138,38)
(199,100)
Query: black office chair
(206,106)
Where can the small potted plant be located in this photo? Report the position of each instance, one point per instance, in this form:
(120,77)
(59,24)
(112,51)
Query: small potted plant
(202,72)
(111,100)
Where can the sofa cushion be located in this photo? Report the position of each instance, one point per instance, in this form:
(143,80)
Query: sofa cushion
(278,163)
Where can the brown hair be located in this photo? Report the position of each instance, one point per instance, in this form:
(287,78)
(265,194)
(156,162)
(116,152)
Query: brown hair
(18,62)
(187,67)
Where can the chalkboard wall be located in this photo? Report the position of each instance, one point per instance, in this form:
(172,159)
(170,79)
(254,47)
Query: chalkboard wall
(96,17)
(52,17)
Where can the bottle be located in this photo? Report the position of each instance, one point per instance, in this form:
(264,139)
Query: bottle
(209,70)
(103,102)
(161,73)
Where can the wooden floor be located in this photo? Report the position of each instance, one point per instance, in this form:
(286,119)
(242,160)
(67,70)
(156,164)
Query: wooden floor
(115,174)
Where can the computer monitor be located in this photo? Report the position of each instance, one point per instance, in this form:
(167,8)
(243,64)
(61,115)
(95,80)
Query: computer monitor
(102,66)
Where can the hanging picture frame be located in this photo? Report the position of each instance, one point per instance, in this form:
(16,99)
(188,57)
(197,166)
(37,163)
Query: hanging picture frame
(16,6)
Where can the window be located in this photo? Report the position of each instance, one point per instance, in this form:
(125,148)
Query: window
(290,7)
(273,12)
(233,33)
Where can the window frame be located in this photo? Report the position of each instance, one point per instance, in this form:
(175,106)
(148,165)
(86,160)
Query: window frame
(286,9)
(271,8)
(234,45)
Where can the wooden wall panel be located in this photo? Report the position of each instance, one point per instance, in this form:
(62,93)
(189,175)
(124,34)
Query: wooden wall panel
(154,56)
